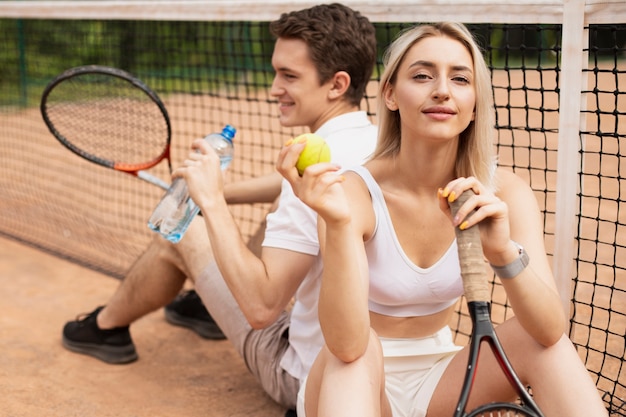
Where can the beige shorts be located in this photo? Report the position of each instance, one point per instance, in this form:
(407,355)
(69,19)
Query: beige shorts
(413,368)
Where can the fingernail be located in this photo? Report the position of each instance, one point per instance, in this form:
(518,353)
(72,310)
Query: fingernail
(342,178)
(289,142)
(445,192)
(463,225)
(451,197)
(300,140)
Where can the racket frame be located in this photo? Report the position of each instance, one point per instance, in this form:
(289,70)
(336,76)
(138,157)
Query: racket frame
(137,170)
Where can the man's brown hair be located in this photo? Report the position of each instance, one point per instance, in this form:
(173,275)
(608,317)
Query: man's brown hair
(339,39)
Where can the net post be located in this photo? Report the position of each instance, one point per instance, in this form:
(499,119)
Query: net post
(568,159)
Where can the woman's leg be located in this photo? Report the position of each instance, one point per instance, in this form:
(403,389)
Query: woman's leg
(561,384)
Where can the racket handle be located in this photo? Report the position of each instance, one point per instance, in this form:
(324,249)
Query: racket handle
(153,180)
(471,258)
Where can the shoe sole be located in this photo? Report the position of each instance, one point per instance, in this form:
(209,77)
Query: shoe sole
(116,355)
(201,327)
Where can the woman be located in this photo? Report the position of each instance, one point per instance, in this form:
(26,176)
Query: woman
(391,276)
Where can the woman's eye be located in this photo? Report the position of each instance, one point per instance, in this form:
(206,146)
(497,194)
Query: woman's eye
(421,76)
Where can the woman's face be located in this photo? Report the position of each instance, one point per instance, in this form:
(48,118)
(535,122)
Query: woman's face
(434,89)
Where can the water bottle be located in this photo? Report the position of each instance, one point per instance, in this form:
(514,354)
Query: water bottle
(176,210)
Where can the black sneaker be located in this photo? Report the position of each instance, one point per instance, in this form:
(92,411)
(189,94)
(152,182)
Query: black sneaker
(188,311)
(112,346)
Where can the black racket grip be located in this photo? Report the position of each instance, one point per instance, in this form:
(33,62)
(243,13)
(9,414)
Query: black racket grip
(471,258)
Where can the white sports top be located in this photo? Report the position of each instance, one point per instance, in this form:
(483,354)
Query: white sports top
(398,287)
(293,226)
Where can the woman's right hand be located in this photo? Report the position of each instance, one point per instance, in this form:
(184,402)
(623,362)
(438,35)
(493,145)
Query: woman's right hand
(319,187)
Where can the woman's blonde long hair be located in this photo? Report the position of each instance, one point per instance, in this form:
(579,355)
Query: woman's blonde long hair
(475,155)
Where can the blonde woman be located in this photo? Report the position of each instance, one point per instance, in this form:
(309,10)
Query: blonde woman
(391,274)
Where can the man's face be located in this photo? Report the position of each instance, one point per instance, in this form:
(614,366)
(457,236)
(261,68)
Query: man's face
(302,101)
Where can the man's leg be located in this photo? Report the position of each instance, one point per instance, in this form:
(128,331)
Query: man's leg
(187,310)
(261,350)
(152,282)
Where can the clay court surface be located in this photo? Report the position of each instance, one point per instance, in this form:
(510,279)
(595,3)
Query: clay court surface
(178,373)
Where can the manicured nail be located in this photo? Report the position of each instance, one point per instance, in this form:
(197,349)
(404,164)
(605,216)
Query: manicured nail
(451,197)
(445,192)
(289,142)
(463,225)
(342,178)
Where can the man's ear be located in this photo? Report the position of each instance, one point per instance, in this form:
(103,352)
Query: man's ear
(340,84)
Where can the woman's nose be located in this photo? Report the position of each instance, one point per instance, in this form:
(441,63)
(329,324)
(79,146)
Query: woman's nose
(441,90)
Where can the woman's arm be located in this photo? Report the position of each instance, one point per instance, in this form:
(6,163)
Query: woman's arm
(533,293)
(343,303)
(342,203)
(512,215)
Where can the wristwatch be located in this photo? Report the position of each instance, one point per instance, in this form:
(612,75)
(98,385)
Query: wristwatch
(514,268)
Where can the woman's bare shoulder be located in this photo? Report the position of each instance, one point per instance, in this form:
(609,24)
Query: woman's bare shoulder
(507,181)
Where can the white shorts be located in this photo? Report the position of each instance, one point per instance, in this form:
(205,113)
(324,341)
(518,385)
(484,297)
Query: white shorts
(413,368)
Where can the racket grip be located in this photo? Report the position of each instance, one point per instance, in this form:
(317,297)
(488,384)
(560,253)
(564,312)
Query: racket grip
(153,180)
(471,258)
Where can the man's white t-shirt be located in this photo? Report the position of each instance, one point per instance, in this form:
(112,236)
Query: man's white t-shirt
(351,138)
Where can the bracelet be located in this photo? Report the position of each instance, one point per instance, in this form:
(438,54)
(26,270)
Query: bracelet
(514,268)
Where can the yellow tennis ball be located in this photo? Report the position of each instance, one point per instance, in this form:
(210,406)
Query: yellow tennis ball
(316,150)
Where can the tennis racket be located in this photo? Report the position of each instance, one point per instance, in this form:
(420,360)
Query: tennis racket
(478,298)
(110,118)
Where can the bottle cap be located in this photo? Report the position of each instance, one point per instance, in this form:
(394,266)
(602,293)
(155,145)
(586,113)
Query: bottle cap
(229,132)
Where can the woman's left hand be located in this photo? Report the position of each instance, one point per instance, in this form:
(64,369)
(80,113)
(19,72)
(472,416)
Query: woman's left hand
(483,208)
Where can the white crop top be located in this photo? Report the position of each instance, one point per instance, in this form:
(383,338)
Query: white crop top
(398,287)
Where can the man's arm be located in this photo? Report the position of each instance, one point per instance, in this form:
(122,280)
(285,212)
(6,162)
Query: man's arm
(264,286)
(263,189)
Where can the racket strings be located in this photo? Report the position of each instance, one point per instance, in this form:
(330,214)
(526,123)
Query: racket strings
(502,410)
(108,118)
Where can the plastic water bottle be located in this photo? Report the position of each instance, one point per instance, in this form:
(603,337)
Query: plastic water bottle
(176,210)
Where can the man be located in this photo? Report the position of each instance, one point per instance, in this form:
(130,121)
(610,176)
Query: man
(323,59)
